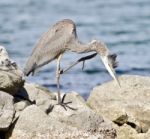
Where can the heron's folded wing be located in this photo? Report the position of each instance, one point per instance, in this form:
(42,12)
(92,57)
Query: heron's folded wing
(50,45)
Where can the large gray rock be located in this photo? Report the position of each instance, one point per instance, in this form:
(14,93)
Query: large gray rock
(6,111)
(129,104)
(39,125)
(10,82)
(34,123)
(40,95)
(127,132)
(6,63)
(32,93)
(83,118)
(11,77)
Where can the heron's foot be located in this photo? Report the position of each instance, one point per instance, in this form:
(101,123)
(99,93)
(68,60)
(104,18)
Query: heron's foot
(65,104)
(82,59)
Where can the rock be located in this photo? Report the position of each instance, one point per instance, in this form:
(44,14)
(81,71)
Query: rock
(38,125)
(34,123)
(10,82)
(6,63)
(83,117)
(19,107)
(42,97)
(143,135)
(129,104)
(127,132)
(6,111)
(11,77)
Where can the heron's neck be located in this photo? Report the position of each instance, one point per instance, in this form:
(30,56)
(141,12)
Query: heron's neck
(79,47)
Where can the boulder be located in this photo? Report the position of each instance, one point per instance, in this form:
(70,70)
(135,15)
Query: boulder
(11,77)
(10,82)
(83,117)
(39,125)
(127,132)
(126,105)
(143,135)
(83,122)
(36,94)
(6,111)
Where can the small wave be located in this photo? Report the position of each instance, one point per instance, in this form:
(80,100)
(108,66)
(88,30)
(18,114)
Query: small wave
(133,70)
(141,69)
(95,71)
(52,85)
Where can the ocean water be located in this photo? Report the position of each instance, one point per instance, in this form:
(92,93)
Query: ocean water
(124,25)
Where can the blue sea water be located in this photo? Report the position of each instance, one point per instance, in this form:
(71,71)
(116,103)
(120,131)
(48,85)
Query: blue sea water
(123,24)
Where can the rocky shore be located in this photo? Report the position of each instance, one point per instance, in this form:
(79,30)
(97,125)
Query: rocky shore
(30,111)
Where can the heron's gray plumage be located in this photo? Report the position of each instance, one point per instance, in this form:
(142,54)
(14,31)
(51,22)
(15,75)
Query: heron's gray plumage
(62,37)
(50,46)
(59,38)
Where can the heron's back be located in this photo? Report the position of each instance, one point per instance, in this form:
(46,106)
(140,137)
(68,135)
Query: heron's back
(50,46)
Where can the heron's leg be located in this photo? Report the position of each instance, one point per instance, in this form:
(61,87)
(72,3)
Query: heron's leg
(61,100)
(82,59)
(58,72)
(58,77)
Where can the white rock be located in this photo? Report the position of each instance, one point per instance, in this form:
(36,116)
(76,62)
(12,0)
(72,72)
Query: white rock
(7,111)
(129,104)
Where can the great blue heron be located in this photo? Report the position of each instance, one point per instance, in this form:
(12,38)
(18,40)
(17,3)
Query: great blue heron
(62,37)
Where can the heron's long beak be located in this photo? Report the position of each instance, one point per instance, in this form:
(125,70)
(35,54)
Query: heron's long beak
(110,68)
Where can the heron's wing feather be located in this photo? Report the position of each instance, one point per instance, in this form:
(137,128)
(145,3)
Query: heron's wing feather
(50,45)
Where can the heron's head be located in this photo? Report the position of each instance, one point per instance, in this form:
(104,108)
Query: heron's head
(108,59)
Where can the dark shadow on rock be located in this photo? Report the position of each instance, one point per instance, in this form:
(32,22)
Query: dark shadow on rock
(50,109)
(2,135)
(9,133)
(22,94)
(6,134)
